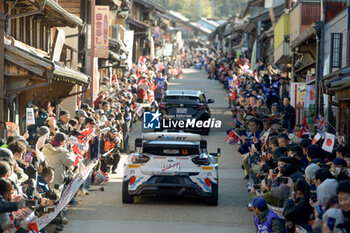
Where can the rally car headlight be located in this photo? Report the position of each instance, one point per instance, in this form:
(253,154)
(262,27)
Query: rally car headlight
(140,159)
(201,160)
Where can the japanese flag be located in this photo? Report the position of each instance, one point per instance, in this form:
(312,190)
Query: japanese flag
(316,138)
(328,143)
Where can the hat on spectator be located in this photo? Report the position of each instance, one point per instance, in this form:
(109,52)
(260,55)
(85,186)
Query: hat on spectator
(276,126)
(6,155)
(275,104)
(90,120)
(339,161)
(60,137)
(63,112)
(43,130)
(249,117)
(85,106)
(100,111)
(294,139)
(335,214)
(259,202)
(81,113)
(311,170)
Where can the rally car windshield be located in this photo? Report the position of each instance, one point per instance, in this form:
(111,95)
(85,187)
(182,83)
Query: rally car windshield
(171,150)
(176,98)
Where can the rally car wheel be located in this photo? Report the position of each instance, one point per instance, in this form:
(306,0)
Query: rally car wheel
(213,199)
(127,198)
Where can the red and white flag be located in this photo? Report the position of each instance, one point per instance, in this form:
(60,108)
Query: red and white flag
(142,60)
(328,143)
(304,129)
(316,138)
(232,138)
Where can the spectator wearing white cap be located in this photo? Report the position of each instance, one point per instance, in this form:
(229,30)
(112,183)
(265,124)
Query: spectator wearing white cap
(310,173)
(333,221)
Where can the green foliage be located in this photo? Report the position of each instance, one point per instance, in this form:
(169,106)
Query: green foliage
(193,9)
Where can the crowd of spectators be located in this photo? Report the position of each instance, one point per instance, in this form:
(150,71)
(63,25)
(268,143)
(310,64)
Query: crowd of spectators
(36,173)
(295,185)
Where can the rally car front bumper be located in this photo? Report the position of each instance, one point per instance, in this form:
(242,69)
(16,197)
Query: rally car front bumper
(172,186)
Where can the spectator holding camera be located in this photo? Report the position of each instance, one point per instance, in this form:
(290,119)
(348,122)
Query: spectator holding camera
(297,209)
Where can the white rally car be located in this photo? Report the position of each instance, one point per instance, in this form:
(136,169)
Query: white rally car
(171,164)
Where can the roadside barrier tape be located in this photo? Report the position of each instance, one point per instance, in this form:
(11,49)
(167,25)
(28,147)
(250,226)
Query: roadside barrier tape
(67,194)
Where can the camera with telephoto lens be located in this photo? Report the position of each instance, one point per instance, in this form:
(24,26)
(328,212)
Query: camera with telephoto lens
(31,203)
(49,209)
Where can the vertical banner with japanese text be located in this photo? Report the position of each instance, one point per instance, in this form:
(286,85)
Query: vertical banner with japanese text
(129,41)
(297,96)
(101,31)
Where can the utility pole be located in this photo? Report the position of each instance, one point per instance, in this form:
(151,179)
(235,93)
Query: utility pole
(92,52)
(213,8)
(239,7)
(319,69)
(2,66)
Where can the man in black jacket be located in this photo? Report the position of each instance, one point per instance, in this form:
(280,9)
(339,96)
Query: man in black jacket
(289,110)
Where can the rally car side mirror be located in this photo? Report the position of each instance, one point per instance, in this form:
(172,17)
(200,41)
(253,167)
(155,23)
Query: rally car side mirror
(217,154)
(138,143)
(210,101)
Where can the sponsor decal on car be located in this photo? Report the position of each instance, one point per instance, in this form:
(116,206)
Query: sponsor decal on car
(133,165)
(207,168)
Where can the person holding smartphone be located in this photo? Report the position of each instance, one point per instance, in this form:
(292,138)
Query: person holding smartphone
(343,192)
(333,221)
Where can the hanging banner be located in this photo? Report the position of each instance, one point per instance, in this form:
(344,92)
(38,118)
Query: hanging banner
(310,98)
(297,98)
(96,79)
(253,60)
(168,49)
(151,41)
(30,118)
(67,195)
(101,31)
(129,42)
(326,66)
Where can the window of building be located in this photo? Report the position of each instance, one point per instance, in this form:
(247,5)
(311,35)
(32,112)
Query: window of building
(336,53)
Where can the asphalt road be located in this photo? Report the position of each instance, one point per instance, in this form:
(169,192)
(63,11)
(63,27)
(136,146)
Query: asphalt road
(105,212)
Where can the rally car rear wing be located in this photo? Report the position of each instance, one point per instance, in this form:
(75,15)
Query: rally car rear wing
(166,136)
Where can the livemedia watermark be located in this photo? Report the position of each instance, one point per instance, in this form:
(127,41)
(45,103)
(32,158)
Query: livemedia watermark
(153,120)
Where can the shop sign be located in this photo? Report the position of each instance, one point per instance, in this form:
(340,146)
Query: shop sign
(101,31)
